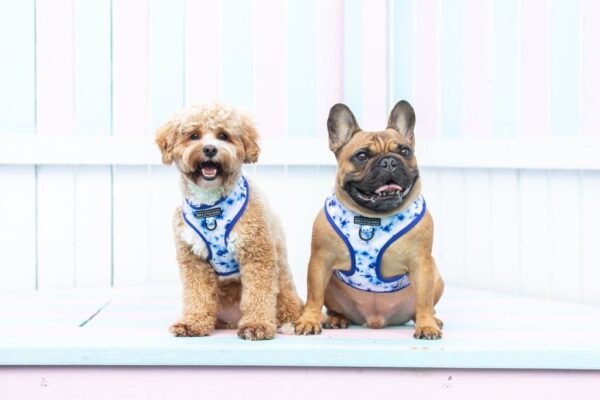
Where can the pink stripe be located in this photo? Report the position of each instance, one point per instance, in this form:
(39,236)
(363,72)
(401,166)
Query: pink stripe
(55,67)
(130,67)
(374,65)
(269,66)
(590,10)
(477,67)
(426,71)
(202,51)
(534,68)
(329,59)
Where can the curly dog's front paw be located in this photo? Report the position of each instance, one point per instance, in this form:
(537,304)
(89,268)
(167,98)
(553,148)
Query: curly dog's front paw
(190,328)
(429,332)
(308,324)
(256,331)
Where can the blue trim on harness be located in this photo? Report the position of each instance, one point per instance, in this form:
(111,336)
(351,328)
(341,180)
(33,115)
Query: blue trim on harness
(228,228)
(401,279)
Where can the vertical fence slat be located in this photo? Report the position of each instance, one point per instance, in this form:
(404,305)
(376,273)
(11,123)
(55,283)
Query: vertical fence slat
(130,67)
(165,196)
(452,85)
(505,56)
(565,66)
(93,226)
(269,67)
(374,67)
(427,79)
(450,223)
(166,35)
(565,250)
(301,70)
(17,69)
(131,251)
(236,39)
(403,50)
(477,229)
(18,227)
(352,52)
(590,65)
(534,68)
(534,227)
(329,59)
(590,213)
(56,227)
(504,220)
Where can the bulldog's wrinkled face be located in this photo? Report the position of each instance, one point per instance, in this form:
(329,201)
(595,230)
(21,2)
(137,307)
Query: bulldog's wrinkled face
(377,171)
(209,144)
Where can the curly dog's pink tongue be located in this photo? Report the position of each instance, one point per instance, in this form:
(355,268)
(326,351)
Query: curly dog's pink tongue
(209,172)
(388,188)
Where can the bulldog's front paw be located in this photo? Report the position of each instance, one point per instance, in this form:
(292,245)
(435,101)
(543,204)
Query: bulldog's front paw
(256,331)
(190,328)
(429,332)
(308,324)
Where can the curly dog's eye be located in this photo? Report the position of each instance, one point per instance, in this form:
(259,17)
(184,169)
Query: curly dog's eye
(222,136)
(195,136)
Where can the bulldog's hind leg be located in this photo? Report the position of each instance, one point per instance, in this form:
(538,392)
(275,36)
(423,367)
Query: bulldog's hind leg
(334,320)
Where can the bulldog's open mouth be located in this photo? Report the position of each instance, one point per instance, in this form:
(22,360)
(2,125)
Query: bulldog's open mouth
(389,191)
(208,170)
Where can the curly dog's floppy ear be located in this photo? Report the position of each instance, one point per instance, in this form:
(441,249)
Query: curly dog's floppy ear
(250,141)
(165,139)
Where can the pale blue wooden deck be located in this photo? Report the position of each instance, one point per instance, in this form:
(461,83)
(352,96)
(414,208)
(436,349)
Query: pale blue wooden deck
(482,330)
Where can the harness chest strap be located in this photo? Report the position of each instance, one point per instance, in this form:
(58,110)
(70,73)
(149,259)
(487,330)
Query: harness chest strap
(367,239)
(214,222)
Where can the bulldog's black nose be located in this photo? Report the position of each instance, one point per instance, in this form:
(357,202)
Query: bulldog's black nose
(210,150)
(388,163)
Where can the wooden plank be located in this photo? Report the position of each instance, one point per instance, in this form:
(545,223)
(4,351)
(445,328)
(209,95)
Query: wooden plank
(478,214)
(55,67)
(565,235)
(131,225)
(17,69)
(93,241)
(483,330)
(18,232)
(56,227)
(165,197)
(130,67)
(270,100)
(590,220)
(202,79)
(165,58)
(504,220)
(450,225)
(93,82)
(534,233)
(157,383)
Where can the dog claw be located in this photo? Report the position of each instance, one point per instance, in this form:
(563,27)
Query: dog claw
(428,332)
(256,332)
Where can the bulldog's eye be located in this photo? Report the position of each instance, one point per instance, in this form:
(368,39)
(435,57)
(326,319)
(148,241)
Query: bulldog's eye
(195,136)
(361,156)
(222,136)
(406,152)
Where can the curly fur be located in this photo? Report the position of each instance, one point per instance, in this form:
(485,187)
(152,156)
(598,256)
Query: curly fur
(263,296)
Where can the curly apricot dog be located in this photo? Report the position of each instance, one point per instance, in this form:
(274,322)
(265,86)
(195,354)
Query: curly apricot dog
(230,246)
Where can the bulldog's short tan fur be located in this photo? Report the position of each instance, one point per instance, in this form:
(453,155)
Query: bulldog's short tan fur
(209,144)
(411,253)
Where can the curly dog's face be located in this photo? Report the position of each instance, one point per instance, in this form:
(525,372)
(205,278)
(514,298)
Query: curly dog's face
(209,144)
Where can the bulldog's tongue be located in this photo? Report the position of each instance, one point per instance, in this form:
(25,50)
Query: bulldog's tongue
(388,188)
(209,171)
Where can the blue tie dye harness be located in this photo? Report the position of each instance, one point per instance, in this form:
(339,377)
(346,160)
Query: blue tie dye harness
(367,239)
(213,223)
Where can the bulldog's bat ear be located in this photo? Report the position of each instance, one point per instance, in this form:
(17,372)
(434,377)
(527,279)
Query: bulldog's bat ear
(341,125)
(402,119)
